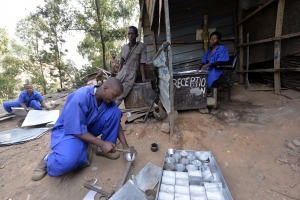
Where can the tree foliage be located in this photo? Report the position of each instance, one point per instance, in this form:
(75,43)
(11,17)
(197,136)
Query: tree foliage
(56,18)
(105,27)
(3,41)
(40,60)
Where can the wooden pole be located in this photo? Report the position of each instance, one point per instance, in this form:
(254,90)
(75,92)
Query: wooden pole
(241,49)
(291,35)
(154,42)
(141,20)
(205,32)
(254,12)
(277,46)
(247,85)
(171,95)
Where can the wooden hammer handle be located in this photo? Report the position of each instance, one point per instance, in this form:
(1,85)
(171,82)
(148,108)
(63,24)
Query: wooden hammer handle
(97,190)
(122,150)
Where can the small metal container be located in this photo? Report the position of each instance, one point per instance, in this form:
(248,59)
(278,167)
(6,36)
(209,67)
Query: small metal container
(176,156)
(168,166)
(183,154)
(197,163)
(191,167)
(197,154)
(179,167)
(191,158)
(170,152)
(169,160)
(184,161)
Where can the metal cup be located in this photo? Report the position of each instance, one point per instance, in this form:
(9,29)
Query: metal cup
(183,154)
(168,166)
(197,163)
(169,160)
(184,161)
(179,167)
(191,167)
(176,156)
(191,158)
(170,152)
(197,154)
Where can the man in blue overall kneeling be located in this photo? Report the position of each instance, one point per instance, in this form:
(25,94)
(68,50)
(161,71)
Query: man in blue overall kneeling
(28,98)
(89,112)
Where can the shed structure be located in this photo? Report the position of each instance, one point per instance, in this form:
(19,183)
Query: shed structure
(272,26)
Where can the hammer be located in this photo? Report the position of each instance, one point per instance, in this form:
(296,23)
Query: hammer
(131,151)
(107,195)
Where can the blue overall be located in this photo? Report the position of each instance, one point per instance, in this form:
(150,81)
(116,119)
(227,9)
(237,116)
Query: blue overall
(30,101)
(80,114)
(221,54)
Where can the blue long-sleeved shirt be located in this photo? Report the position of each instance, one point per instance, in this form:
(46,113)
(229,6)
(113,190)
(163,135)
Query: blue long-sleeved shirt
(221,54)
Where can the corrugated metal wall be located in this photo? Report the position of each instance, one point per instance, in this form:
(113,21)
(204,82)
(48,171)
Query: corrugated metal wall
(185,18)
(262,26)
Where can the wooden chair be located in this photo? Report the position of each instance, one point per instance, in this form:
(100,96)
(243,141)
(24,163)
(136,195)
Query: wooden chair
(228,69)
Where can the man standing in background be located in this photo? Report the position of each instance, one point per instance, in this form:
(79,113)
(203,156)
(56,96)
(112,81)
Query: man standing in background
(100,77)
(114,64)
(133,57)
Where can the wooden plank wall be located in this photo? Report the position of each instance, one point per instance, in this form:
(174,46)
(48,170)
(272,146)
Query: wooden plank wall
(185,18)
(262,26)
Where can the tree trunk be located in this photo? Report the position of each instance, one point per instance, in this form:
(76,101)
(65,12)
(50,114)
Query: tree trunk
(58,61)
(101,35)
(41,66)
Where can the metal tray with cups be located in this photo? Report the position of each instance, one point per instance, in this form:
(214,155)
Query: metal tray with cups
(191,175)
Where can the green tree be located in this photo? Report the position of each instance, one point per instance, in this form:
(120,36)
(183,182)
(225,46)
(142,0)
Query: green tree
(9,69)
(105,23)
(31,30)
(3,42)
(55,15)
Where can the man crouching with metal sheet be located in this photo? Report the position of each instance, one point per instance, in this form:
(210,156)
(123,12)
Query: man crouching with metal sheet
(88,112)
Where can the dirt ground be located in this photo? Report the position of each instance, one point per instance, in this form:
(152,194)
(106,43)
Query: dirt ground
(247,137)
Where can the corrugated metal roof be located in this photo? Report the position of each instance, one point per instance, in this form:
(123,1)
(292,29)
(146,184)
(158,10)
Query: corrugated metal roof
(246,4)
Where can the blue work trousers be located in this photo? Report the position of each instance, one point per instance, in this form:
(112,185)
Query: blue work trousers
(7,105)
(70,154)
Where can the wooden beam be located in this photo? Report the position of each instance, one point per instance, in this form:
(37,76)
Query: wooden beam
(141,20)
(154,41)
(254,12)
(241,49)
(170,64)
(271,39)
(271,70)
(205,33)
(277,45)
(191,41)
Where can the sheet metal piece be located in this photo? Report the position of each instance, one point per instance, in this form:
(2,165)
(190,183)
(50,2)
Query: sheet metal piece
(19,111)
(7,117)
(129,192)
(148,177)
(21,135)
(91,194)
(159,61)
(50,124)
(36,117)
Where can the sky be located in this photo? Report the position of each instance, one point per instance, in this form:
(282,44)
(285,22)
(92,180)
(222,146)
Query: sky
(13,11)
